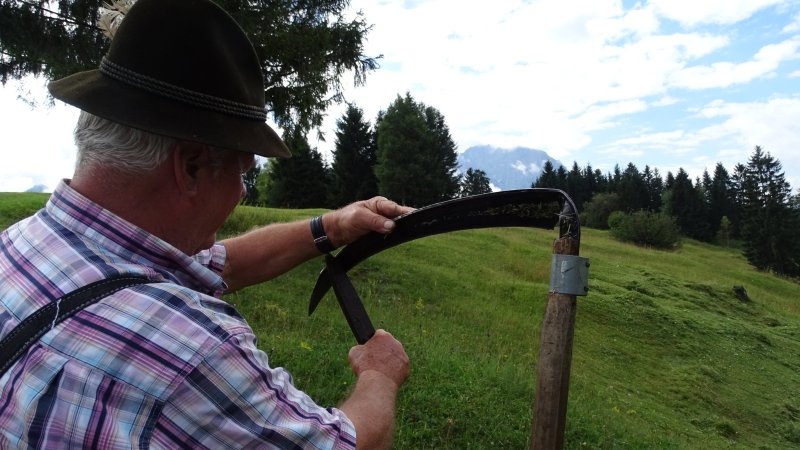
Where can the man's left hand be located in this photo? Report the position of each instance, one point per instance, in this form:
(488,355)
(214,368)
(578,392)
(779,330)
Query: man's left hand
(347,224)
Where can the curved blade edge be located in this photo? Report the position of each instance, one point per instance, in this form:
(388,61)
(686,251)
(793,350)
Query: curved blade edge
(533,208)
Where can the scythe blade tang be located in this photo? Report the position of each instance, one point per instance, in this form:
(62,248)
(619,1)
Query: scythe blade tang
(536,208)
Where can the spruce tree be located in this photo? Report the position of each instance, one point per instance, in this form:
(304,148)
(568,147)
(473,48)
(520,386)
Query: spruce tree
(736,199)
(354,158)
(590,184)
(561,178)
(444,155)
(669,182)
(474,182)
(602,182)
(614,179)
(299,181)
(416,163)
(547,177)
(685,204)
(717,196)
(769,223)
(575,185)
(655,188)
(632,189)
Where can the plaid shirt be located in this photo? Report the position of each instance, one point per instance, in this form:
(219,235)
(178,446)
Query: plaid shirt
(160,365)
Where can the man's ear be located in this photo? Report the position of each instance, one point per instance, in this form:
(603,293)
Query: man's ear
(188,160)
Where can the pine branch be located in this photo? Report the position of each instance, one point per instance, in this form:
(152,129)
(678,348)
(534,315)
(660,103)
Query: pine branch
(58,17)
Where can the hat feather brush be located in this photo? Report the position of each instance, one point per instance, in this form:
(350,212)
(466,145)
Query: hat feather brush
(111,15)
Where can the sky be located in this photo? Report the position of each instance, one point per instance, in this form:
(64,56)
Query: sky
(665,83)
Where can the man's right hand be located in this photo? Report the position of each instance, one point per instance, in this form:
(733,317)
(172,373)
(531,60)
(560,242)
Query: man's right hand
(384,354)
(381,366)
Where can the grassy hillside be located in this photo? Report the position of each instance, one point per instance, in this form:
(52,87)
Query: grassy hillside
(15,205)
(665,355)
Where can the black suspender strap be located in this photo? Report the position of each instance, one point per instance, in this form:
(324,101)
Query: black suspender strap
(44,319)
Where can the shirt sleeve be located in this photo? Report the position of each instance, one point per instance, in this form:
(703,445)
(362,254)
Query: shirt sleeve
(212,258)
(233,399)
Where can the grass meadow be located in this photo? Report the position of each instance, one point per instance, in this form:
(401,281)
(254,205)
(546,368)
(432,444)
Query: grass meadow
(665,355)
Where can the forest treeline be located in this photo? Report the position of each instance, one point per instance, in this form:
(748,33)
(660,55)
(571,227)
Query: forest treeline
(752,204)
(409,155)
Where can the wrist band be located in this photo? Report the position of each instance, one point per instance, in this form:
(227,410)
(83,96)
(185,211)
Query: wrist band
(320,238)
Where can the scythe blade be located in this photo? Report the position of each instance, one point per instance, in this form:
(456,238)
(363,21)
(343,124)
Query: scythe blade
(536,208)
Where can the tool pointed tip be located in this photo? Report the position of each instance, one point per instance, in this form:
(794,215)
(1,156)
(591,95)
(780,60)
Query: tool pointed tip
(320,289)
(312,305)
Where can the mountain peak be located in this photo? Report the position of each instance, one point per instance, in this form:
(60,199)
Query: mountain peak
(38,188)
(507,168)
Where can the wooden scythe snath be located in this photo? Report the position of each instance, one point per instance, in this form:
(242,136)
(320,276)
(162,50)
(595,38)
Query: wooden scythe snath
(538,208)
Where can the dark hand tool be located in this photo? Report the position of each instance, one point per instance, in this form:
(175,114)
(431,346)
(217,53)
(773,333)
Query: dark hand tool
(538,208)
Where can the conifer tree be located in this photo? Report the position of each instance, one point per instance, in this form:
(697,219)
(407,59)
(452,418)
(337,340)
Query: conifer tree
(769,223)
(575,185)
(669,182)
(614,179)
(416,163)
(354,158)
(685,204)
(717,197)
(601,180)
(632,189)
(561,178)
(655,188)
(444,159)
(590,185)
(736,199)
(299,181)
(474,182)
(547,177)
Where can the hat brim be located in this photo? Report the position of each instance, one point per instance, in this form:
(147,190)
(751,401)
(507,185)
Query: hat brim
(110,99)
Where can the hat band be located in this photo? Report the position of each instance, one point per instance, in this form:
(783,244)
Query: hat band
(181,94)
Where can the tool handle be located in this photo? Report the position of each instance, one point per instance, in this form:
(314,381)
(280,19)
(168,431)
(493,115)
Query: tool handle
(350,302)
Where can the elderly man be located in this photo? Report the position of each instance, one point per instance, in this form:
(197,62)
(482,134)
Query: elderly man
(169,122)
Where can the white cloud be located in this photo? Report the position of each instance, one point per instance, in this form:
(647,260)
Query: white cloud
(722,12)
(665,101)
(525,169)
(540,74)
(737,129)
(794,26)
(771,124)
(724,74)
(37,142)
(520,167)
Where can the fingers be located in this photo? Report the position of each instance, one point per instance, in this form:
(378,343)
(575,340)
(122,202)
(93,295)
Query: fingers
(388,208)
(357,219)
(383,353)
(384,209)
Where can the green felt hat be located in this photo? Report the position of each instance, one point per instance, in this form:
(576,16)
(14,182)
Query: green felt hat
(183,69)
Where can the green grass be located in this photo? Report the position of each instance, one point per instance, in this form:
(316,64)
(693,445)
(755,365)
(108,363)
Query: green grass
(15,206)
(665,355)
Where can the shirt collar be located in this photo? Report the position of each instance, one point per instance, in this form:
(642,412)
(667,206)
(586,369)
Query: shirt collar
(129,242)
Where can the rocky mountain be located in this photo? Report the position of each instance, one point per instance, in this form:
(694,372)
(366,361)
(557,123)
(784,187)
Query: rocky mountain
(38,188)
(507,169)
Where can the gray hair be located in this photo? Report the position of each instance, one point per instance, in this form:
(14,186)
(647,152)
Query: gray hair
(105,143)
